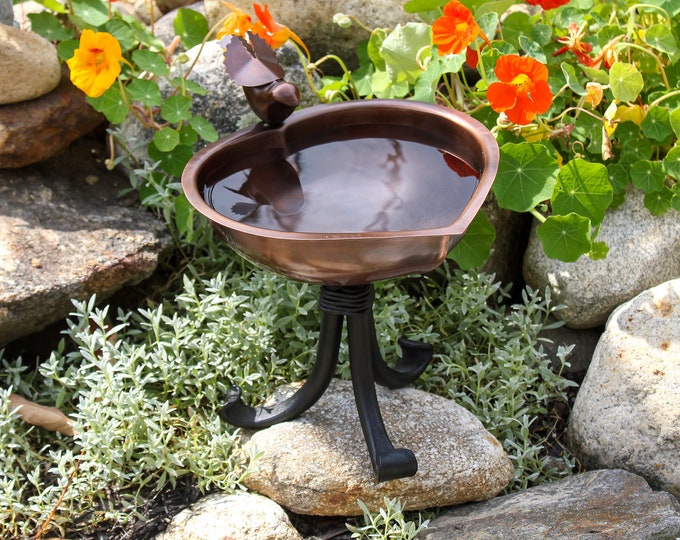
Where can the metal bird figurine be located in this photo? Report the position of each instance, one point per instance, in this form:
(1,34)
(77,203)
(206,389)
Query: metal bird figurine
(253,65)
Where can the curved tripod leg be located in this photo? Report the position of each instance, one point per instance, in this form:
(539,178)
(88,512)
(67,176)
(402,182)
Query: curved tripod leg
(239,414)
(415,357)
(388,462)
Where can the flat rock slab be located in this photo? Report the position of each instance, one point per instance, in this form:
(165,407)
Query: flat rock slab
(597,505)
(65,233)
(318,464)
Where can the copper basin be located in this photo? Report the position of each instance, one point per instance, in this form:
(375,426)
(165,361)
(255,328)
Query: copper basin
(337,258)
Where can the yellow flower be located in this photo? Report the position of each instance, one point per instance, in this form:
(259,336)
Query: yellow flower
(95,64)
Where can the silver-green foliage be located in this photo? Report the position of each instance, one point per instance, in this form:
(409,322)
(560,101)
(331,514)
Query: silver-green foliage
(144,386)
(388,523)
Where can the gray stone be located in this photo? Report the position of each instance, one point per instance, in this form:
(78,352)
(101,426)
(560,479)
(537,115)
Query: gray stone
(224,104)
(231,517)
(29,66)
(318,464)
(6,12)
(598,505)
(313,22)
(627,412)
(23,9)
(169,5)
(65,233)
(638,242)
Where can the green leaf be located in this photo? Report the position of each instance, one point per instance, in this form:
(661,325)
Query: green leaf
(150,61)
(515,25)
(122,31)
(565,237)
(572,79)
(111,105)
(373,48)
(497,7)
(176,108)
(475,247)
(415,6)
(526,176)
(49,27)
(596,75)
(142,34)
(382,86)
(619,176)
(204,128)
(598,251)
(188,135)
(191,26)
(582,188)
(66,49)
(166,139)
(659,202)
(657,125)
(671,163)
(635,146)
(488,22)
(661,38)
(172,162)
(626,81)
(401,48)
(541,33)
(675,121)
(190,86)
(145,91)
(649,176)
(184,215)
(91,12)
(533,49)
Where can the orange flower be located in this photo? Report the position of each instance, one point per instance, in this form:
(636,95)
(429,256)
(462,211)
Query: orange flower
(237,23)
(548,4)
(522,91)
(574,44)
(95,64)
(456,29)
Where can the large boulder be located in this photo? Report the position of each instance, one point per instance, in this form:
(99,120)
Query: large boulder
(323,467)
(65,233)
(627,412)
(598,505)
(313,21)
(643,252)
(29,66)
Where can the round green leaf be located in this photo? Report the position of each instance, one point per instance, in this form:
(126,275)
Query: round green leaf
(49,27)
(92,12)
(583,188)
(145,91)
(111,105)
(526,176)
(122,31)
(150,61)
(671,163)
(474,248)
(176,108)
(619,176)
(166,139)
(626,81)
(675,121)
(661,38)
(191,26)
(565,237)
(649,176)
(172,162)
(657,124)
(204,128)
(659,202)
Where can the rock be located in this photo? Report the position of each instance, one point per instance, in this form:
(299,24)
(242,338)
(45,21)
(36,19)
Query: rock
(224,104)
(598,505)
(591,289)
(6,12)
(166,6)
(29,65)
(146,11)
(23,9)
(324,467)
(231,517)
(626,414)
(41,128)
(313,22)
(64,233)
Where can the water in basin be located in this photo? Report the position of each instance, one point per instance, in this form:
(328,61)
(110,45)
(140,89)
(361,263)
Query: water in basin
(348,186)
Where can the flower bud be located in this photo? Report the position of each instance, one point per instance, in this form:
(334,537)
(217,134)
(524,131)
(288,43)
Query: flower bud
(342,20)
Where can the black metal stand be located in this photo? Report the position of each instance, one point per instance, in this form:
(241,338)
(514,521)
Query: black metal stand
(367,368)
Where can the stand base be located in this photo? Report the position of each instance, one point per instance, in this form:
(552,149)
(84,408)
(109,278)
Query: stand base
(367,368)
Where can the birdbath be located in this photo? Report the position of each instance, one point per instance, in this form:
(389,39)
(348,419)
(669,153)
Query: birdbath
(344,195)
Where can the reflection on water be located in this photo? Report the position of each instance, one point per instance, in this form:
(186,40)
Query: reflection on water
(354,186)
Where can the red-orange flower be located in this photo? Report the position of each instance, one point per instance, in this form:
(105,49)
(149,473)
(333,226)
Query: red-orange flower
(573,43)
(456,29)
(522,89)
(548,4)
